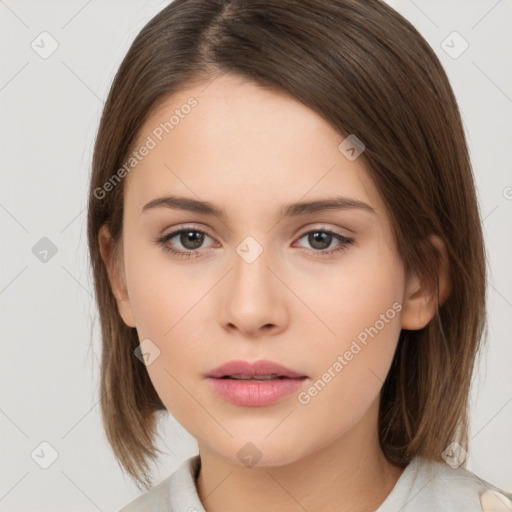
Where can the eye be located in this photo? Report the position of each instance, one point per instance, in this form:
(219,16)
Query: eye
(321,239)
(190,239)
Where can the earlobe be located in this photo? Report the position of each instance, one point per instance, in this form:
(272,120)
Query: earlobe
(115,275)
(420,304)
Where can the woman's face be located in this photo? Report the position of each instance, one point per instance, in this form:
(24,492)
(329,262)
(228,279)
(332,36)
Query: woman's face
(264,281)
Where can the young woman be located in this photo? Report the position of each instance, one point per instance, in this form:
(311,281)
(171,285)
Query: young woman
(288,257)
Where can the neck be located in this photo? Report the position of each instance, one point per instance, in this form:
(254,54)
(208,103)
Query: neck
(350,472)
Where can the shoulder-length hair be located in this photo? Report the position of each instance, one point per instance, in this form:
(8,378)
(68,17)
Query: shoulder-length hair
(367,71)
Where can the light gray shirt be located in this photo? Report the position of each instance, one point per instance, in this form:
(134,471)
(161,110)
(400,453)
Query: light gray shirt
(424,486)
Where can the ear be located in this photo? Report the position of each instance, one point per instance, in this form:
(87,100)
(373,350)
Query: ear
(116,276)
(420,305)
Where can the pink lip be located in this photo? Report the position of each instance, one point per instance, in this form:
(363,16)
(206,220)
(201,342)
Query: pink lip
(251,393)
(259,368)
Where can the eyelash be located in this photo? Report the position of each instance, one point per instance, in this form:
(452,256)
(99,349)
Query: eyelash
(344,242)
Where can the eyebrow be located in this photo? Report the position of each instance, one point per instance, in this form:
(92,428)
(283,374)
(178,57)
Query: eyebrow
(289,210)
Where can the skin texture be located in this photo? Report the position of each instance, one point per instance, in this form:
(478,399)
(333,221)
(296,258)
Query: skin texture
(250,151)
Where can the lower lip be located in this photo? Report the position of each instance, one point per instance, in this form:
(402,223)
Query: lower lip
(252,393)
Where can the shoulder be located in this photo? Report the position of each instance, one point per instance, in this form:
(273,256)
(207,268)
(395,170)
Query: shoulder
(427,485)
(177,488)
(157,498)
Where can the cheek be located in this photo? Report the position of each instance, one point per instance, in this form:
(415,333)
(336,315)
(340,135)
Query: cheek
(169,308)
(349,375)
(162,292)
(346,298)
(362,309)
(351,371)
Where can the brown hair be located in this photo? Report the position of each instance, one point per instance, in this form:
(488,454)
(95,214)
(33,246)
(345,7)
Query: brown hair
(367,71)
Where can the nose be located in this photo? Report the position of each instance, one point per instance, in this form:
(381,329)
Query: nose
(253,298)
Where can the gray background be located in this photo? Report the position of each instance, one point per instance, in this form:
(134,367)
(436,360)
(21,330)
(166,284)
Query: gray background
(50,112)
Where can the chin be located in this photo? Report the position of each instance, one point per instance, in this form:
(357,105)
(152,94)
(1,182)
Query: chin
(262,453)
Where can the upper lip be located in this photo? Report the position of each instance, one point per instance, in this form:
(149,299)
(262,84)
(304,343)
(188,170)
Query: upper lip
(257,368)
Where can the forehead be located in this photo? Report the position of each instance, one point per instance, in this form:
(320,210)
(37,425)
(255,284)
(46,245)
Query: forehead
(232,140)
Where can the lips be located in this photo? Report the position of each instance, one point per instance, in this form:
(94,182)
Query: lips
(258,370)
(257,384)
